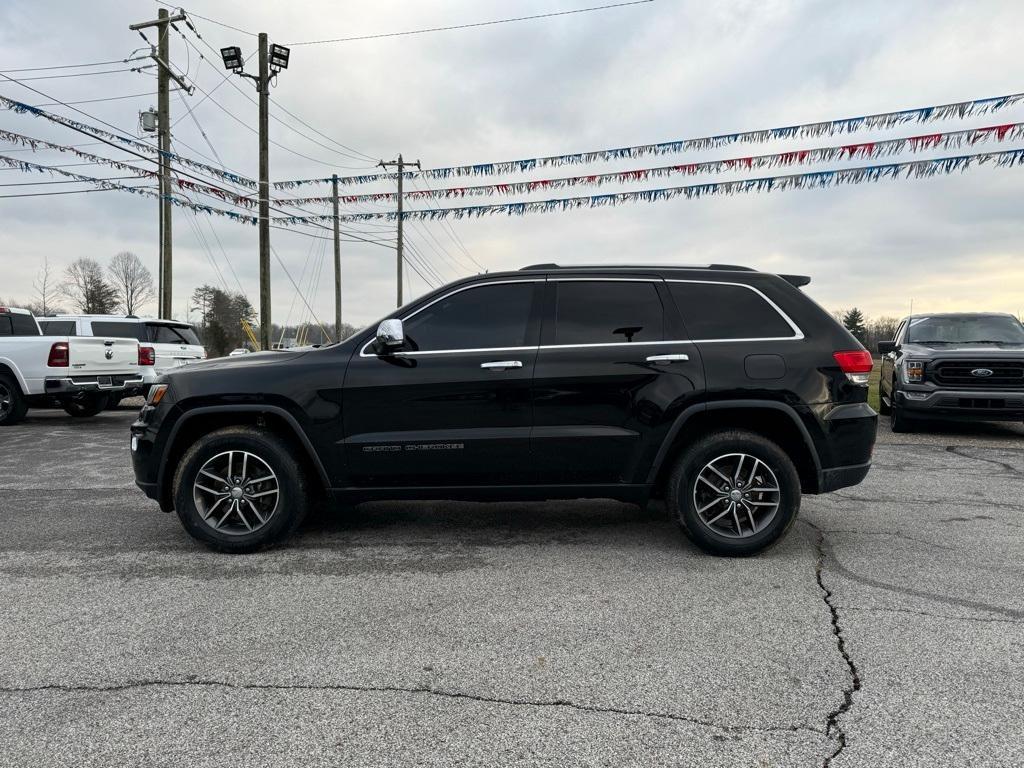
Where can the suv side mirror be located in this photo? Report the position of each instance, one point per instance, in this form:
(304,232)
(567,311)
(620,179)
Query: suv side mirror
(390,334)
(885,347)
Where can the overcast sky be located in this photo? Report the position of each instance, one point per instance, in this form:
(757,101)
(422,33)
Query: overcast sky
(654,72)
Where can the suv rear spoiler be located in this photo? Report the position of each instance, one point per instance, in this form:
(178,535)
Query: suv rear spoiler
(798,281)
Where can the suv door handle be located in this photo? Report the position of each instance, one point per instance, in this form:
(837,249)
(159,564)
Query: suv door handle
(501,365)
(666,359)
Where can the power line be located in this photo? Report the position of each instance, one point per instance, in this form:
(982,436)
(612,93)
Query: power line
(83,74)
(67,181)
(71,192)
(70,66)
(474,24)
(207,18)
(93,101)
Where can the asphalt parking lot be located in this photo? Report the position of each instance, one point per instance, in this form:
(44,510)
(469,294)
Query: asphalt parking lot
(888,626)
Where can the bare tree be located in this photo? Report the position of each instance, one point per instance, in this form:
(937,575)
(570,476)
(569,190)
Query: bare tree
(131,281)
(86,288)
(47,290)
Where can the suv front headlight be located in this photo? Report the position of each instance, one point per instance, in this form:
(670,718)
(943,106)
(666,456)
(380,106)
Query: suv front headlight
(156,394)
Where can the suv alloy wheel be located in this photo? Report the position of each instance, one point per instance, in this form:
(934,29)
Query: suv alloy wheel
(734,493)
(239,489)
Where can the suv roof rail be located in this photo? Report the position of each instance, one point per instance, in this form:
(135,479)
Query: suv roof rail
(722,267)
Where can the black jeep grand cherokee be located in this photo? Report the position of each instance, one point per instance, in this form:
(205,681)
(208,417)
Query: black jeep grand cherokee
(724,390)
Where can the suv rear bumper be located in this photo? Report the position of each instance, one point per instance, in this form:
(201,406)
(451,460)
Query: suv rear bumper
(842,477)
(977,405)
(75,385)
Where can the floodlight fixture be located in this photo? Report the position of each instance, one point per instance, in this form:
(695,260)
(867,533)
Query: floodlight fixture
(232,56)
(279,57)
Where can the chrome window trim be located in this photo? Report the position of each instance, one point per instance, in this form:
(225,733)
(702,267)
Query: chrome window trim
(417,353)
(362,351)
(798,334)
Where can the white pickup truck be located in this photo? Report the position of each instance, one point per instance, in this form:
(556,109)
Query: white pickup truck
(79,374)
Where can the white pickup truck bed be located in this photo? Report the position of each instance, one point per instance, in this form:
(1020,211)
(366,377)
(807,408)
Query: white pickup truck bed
(74,371)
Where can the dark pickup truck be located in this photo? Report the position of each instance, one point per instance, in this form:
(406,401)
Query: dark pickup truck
(965,365)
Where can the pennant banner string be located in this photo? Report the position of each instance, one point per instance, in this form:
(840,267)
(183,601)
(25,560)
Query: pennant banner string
(814,180)
(865,150)
(140,146)
(881,120)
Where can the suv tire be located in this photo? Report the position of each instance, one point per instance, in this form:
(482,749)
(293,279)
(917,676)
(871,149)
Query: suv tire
(764,465)
(85,406)
(265,513)
(12,403)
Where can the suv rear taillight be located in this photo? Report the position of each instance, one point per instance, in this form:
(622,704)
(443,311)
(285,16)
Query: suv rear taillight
(147,355)
(58,355)
(856,364)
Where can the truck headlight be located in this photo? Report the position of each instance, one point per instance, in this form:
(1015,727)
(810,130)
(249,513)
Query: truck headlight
(915,371)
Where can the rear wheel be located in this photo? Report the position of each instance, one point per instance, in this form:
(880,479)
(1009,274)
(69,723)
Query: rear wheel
(239,490)
(734,493)
(12,403)
(85,405)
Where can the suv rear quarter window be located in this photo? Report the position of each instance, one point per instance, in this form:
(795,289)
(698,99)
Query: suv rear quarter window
(608,312)
(721,311)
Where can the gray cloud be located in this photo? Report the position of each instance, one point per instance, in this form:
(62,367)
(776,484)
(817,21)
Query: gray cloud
(661,71)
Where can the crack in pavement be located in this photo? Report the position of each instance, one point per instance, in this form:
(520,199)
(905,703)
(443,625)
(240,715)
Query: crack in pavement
(423,690)
(832,725)
(889,534)
(976,605)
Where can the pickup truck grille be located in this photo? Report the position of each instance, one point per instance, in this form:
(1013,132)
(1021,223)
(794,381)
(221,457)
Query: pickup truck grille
(957,374)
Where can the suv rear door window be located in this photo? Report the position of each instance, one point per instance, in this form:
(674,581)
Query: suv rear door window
(487,317)
(23,325)
(172,334)
(597,312)
(715,311)
(113,328)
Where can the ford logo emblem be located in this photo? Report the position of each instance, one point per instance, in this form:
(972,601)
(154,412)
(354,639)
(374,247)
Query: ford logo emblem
(982,372)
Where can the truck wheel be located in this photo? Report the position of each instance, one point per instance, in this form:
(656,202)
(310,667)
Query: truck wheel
(239,490)
(899,422)
(734,493)
(85,406)
(884,409)
(12,403)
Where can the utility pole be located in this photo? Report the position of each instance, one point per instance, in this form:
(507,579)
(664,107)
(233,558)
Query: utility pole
(400,164)
(264,88)
(161,54)
(337,260)
(273,59)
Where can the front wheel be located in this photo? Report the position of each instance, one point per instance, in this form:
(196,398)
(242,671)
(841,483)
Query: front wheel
(239,490)
(734,493)
(85,406)
(899,421)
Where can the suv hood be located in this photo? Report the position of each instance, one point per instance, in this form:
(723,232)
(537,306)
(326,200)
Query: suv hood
(254,360)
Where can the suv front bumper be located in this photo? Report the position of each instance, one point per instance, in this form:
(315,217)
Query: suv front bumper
(978,405)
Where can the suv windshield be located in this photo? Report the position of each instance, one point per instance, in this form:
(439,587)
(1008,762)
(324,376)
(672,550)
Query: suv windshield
(966,329)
